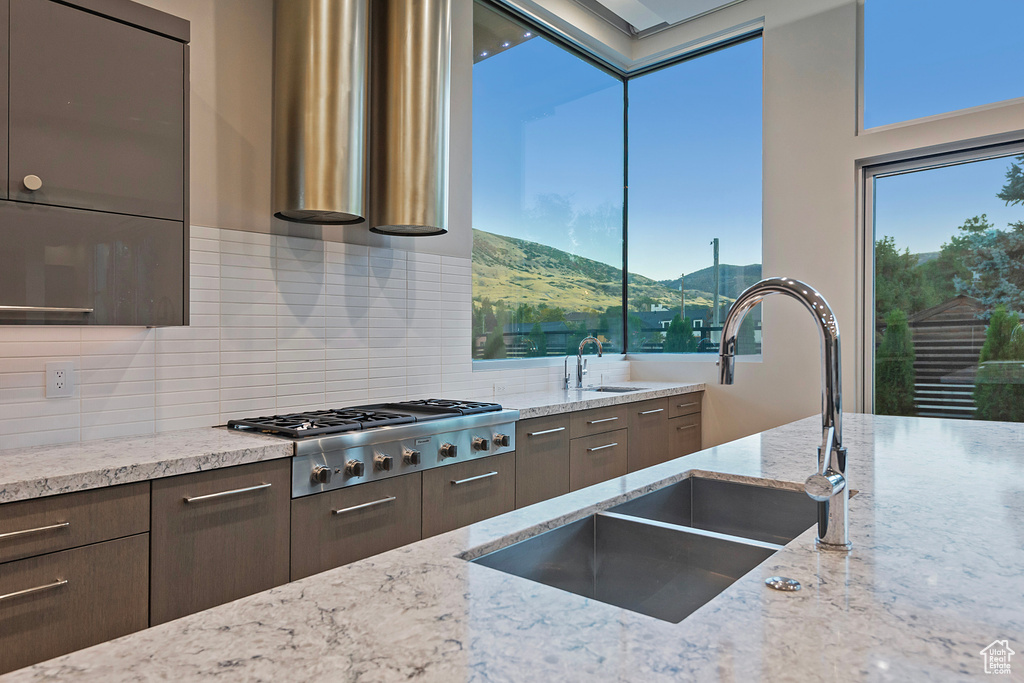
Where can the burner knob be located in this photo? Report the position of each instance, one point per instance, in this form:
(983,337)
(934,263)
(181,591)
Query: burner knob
(354,468)
(411,457)
(480,444)
(501,440)
(448,450)
(321,475)
(382,462)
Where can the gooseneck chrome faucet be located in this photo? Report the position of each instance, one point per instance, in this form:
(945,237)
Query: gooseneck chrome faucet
(581,368)
(828,485)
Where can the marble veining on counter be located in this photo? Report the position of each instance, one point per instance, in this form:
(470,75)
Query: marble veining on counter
(37,471)
(543,403)
(936,574)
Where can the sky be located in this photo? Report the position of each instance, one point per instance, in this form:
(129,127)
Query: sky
(548,144)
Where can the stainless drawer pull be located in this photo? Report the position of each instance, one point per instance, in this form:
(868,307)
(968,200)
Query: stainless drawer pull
(597,422)
(44,309)
(601,448)
(371,504)
(37,589)
(687,405)
(546,431)
(223,494)
(456,482)
(683,429)
(15,534)
(651,412)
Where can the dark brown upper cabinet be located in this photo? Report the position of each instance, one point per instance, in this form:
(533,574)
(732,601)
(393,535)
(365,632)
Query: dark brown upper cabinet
(94,195)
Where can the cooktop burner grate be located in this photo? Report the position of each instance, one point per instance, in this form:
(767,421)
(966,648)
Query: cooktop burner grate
(443,405)
(320,422)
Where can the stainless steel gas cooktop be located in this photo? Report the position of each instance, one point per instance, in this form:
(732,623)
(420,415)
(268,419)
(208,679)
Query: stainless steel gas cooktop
(353,445)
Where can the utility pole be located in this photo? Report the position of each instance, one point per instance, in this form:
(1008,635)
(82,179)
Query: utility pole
(682,298)
(717,313)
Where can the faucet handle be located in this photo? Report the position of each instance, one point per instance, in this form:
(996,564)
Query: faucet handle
(822,486)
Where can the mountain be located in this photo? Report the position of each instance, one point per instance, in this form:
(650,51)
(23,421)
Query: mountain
(733,279)
(520,271)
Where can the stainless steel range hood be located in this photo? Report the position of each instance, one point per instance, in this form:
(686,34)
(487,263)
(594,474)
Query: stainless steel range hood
(320,103)
(323,109)
(410,84)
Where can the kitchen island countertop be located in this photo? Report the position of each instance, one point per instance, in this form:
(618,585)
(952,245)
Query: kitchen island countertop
(935,575)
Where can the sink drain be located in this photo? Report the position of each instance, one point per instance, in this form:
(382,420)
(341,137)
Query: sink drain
(782,583)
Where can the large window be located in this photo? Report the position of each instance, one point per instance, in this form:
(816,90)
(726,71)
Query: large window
(547,195)
(949,290)
(694,225)
(926,58)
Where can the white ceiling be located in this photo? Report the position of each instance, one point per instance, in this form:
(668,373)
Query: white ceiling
(645,14)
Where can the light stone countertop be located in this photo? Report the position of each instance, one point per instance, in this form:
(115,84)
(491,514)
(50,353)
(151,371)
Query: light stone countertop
(542,403)
(936,574)
(37,471)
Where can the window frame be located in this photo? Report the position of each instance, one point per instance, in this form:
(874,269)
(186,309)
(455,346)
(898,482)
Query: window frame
(912,161)
(751,32)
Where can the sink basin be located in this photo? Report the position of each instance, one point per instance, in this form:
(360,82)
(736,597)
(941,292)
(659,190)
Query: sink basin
(728,507)
(616,390)
(646,567)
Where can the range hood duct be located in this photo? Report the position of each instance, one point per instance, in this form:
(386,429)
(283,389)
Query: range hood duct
(320,103)
(410,88)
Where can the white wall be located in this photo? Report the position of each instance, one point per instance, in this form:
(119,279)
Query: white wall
(811,150)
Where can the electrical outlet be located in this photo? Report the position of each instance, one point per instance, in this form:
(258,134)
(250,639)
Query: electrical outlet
(500,388)
(60,380)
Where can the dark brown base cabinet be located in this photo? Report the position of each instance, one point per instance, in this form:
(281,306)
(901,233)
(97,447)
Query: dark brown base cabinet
(468,492)
(337,527)
(542,459)
(565,452)
(218,536)
(74,572)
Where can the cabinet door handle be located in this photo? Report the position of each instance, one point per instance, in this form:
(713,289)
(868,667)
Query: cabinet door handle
(224,494)
(686,405)
(44,309)
(651,412)
(15,534)
(32,182)
(683,429)
(546,431)
(371,504)
(597,422)
(37,589)
(456,482)
(601,448)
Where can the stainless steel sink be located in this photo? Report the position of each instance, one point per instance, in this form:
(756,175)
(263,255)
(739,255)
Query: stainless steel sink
(728,507)
(646,567)
(616,390)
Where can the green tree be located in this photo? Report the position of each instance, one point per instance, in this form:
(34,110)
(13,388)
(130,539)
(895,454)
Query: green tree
(1013,190)
(679,336)
(894,368)
(942,273)
(999,385)
(898,281)
(540,341)
(995,259)
(495,345)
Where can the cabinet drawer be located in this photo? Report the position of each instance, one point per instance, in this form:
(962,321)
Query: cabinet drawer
(46,525)
(597,458)
(684,404)
(218,536)
(648,433)
(335,528)
(599,420)
(684,435)
(465,493)
(542,460)
(103,596)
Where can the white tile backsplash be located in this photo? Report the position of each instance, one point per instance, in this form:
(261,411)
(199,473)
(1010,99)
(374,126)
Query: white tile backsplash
(277,323)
